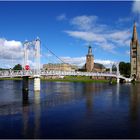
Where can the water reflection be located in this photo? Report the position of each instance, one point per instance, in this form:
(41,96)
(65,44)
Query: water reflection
(37,111)
(135,102)
(89,92)
(25,98)
(28,131)
(25,114)
(68,109)
(117,93)
(94,90)
(135,110)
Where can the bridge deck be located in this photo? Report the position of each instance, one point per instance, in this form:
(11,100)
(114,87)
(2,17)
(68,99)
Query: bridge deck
(32,73)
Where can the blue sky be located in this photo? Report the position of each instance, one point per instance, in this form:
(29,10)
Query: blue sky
(67,28)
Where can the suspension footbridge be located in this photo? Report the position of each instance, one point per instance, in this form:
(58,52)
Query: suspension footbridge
(37,72)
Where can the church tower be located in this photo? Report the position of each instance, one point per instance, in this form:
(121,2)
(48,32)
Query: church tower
(135,55)
(89,60)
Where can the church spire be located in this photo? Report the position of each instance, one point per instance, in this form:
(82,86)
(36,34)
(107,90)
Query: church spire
(134,37)
(89,50)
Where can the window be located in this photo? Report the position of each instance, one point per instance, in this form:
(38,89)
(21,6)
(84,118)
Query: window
(134,61)
(134,54)
(134,46)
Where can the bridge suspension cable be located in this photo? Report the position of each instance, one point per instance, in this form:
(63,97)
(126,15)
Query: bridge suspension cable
(55,55)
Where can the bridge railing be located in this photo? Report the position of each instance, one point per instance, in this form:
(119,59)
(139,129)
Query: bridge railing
(16,73)
(20,73)
(75,73)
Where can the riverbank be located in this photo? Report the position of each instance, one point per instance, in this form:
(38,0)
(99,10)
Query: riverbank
(10,78)
(68,79)
(78,79)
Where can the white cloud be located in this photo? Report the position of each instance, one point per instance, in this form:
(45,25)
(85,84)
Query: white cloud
(84,22)
(78,61)
(103,36)
(107,46)
(10,63)
(89,30)
(108,41)
(9,49)
(125,19)
(11,53)
(12,43)
(106,63)
(61,17)
(48,54)
(127,42)
(120,37)
(87,36)
(128,52)
(136,6)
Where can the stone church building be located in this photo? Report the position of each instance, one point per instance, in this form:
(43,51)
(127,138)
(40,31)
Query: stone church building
(89,60)
(90,66)
(135,55)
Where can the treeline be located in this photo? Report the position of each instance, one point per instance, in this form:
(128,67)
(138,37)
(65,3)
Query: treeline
(125,69)
(3,69)
(16,67)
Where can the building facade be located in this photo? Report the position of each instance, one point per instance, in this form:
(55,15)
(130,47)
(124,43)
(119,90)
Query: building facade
(135,55)
(99,67)
(59,67)
(89,60)
(90,66)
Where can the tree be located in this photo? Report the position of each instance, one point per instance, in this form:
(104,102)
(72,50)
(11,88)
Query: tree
(114,67)
(17,67)
(128,70)
(124,69)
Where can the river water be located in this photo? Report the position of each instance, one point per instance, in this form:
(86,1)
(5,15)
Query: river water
(70,110)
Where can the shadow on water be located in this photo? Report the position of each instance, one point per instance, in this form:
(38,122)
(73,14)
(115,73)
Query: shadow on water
(31,126)
(25,114)
(135,110)
(25,98)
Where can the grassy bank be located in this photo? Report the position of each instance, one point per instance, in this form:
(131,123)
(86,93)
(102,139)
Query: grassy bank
(10,78)
(68,79)
(78,79)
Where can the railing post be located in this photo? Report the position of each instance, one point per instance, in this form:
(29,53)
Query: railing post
(118,73)
(10,72)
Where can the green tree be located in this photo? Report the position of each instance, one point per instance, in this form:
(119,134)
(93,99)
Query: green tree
(128,70)
(114,68)
(124,69)
(17,67)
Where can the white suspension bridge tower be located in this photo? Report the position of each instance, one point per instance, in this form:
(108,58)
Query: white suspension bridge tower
(36,47)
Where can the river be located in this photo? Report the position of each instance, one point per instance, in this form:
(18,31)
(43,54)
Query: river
(70,110)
